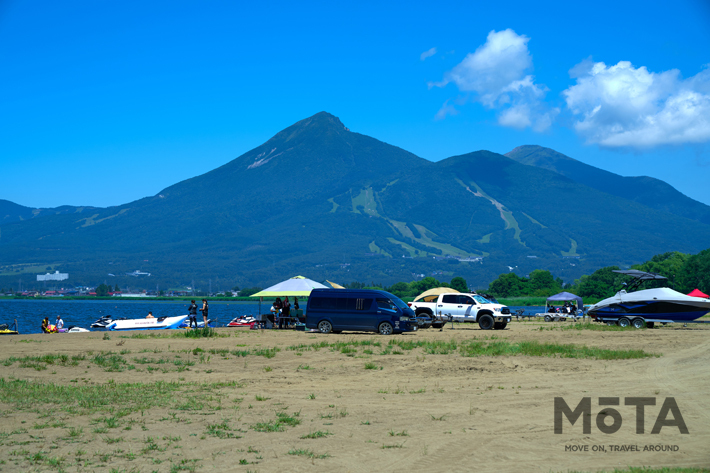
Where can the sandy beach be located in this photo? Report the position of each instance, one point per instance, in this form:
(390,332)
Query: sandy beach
(292,401)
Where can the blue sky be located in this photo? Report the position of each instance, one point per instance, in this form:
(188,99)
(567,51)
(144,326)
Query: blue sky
(105,102)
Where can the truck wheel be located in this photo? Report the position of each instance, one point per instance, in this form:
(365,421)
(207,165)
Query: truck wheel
(499,325)
(624,322)
(385,328)
(638,322)
(486,322)
(325,327)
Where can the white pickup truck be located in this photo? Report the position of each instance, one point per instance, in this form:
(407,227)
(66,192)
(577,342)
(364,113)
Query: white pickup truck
(462,307)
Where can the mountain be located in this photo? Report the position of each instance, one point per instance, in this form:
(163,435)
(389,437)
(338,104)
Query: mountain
(12,212)
(320,200)
(648,191)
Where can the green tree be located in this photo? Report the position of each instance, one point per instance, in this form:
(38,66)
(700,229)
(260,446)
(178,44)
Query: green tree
(542,283)
(400,289)
(425,284)
(117,289)
(459,284)
(601,284)
(102,290)
(695,273)
(668,264)
(246,292)
(508,285)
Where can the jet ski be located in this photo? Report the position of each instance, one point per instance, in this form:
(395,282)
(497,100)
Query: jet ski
(104,321)
(242,321)
(6,329)
(200,324)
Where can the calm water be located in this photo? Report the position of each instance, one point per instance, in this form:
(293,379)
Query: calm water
(29,313)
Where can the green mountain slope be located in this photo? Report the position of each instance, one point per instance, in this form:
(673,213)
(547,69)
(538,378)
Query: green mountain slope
(648,191)
(322,201)
(12,212)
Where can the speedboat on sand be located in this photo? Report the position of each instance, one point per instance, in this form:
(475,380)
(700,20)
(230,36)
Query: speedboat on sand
(662,304)
(157,323)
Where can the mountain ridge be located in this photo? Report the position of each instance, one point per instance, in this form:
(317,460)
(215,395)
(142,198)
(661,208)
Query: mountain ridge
(320,199)
(650,191)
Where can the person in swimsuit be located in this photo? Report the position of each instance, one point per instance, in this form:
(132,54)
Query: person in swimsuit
(205,310)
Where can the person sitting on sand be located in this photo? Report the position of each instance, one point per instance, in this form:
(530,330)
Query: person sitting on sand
(45,325)
(149,316)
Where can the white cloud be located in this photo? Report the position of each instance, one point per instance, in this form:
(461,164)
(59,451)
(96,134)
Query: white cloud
(427,53)
(623,106)
(497,74)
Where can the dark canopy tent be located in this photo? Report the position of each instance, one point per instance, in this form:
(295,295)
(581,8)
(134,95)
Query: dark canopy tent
(564,297)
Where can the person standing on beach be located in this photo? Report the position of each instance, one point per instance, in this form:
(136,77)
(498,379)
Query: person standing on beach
(205,310)
(192,313)
(285,312)
(277,311)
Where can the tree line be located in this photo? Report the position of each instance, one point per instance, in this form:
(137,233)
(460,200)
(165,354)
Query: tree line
(685,272)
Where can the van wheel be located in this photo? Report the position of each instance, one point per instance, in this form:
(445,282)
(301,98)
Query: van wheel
(638,323)
(486,322)
(385,328)
(325,327)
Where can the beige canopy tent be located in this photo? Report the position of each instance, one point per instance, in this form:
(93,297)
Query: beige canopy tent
(297,286)
(334,286)
(431,294)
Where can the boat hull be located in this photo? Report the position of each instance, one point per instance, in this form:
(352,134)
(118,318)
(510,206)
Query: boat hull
(650,310)
(161,323)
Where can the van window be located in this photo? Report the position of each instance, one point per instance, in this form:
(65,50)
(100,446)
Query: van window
(383,303)
(341,303)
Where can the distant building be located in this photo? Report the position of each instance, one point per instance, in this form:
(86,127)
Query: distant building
(56,276)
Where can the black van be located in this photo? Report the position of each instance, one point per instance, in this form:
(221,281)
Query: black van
(335,310)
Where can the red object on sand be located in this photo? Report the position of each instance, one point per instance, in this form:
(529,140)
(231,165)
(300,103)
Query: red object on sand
(698,293)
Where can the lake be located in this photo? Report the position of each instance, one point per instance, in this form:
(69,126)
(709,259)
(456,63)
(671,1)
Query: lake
(29,313)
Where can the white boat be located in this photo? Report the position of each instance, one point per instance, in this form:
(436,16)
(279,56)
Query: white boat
(158,323)
(76,330)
